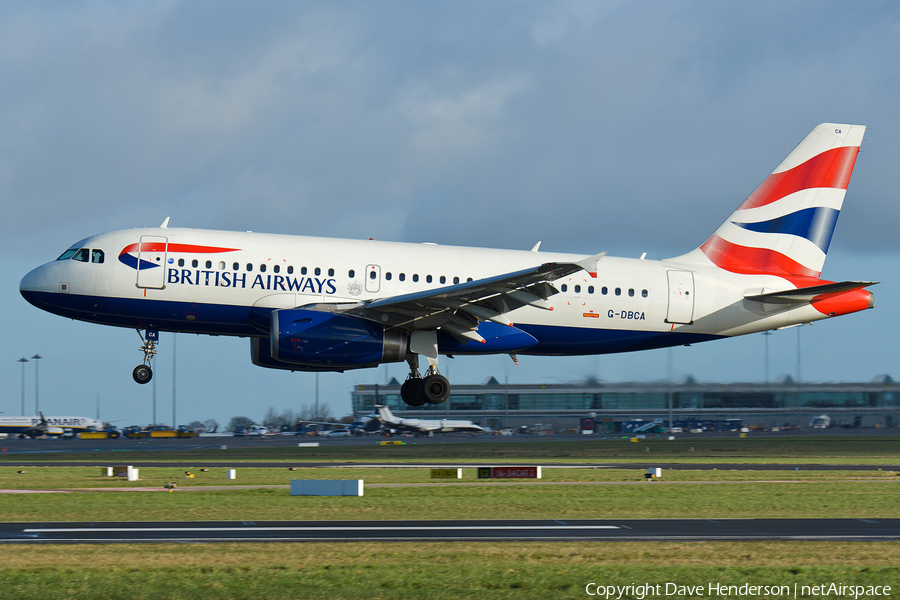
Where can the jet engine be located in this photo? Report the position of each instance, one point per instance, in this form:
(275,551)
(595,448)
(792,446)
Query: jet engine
(314,340)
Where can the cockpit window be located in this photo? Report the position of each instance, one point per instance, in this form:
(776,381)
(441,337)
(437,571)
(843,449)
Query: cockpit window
(96,256)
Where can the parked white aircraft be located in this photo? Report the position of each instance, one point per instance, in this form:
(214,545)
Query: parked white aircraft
(41,425)
(317,304)
(423,426)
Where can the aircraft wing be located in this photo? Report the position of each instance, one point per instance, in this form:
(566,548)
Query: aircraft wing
(457,309)
(806,294)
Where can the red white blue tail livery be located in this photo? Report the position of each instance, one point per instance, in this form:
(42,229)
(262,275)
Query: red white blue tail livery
(320,304)
(785,226)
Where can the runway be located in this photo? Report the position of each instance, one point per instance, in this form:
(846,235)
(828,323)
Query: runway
(642,466)
(466,530)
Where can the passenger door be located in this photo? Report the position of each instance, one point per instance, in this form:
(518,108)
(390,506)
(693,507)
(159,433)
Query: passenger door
(151,265)
(681,297)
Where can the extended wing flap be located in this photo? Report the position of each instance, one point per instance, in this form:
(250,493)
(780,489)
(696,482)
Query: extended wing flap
(807,294)
(459,308)
(473,291)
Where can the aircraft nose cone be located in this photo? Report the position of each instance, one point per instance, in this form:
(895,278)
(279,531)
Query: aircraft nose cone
(33,282)
(36,286)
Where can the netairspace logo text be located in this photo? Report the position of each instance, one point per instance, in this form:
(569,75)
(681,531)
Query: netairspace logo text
(662,590)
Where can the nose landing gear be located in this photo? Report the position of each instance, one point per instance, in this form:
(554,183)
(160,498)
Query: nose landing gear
(143,373)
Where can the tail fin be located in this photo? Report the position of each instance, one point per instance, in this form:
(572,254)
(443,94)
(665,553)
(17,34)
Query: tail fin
(385,413)
(785,226)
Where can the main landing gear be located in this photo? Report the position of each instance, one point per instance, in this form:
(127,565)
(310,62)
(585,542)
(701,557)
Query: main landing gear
(434,388)
(143,373)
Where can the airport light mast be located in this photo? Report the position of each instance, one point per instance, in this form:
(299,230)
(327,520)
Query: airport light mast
(37,408)
(23,360)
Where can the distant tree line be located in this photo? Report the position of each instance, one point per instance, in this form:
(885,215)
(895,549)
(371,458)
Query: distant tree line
(208,426)
(287,418)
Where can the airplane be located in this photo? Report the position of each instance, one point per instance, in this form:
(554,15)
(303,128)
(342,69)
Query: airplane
(386,418)
(38,426)
(321,304)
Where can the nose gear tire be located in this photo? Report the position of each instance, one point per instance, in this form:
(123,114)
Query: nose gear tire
(142,374)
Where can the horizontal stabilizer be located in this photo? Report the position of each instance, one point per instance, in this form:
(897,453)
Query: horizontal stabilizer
(806,294)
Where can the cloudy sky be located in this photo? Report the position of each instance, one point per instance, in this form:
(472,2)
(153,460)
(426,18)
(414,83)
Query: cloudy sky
(615,126)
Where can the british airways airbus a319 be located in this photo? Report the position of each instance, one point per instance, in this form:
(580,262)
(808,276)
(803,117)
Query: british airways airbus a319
(318,304)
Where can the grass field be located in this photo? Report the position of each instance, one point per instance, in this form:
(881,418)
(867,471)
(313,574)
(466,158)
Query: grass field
(460,569)
(435,570)
(580,493)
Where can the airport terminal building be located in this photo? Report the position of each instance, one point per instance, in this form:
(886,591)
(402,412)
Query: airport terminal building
(562,407)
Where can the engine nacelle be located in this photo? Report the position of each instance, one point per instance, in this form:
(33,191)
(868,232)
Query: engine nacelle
(261,356)
(317,340)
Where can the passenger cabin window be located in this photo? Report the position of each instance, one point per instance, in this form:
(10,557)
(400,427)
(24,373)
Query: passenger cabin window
(415,278)
(180,262)
(318,271)
(249,267)
(262,268)
(194,263)
(276,269)
(234,267)
(331,272)
(209,264)
(351,274)
(290,270)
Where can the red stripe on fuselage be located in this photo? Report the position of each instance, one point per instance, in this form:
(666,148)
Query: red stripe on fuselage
(161,247)
(830,169)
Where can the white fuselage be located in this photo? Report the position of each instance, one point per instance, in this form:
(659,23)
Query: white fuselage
(426,426)
(225,283)
(53,425)
(330,305)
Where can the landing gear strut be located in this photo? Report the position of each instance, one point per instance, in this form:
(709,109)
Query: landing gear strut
(434,388)
(143,373)
(412,391)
